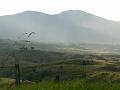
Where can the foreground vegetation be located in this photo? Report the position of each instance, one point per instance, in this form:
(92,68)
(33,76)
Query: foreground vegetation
(63,85)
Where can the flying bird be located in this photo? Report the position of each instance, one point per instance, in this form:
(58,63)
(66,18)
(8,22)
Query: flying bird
(31,34)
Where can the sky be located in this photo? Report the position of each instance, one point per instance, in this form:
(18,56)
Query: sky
(109,9)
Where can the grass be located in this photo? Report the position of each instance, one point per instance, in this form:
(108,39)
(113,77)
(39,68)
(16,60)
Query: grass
(65,85)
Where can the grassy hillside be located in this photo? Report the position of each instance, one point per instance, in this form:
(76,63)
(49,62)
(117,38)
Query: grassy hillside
(79,72)
(71,67)
(62,69)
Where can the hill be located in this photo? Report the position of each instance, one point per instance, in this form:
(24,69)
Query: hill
(73,26)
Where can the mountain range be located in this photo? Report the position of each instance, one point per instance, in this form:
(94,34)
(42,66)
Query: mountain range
(72,26)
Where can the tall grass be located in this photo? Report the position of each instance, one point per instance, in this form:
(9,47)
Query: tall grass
(68,85)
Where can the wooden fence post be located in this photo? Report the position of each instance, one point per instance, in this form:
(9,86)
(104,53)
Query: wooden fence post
(17,74)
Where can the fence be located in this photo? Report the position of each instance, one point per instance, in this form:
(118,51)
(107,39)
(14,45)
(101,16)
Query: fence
(55,72)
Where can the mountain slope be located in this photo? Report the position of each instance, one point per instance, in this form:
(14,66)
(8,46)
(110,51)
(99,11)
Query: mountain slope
(71,26)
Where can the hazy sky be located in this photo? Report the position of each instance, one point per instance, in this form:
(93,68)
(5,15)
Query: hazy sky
(109,9)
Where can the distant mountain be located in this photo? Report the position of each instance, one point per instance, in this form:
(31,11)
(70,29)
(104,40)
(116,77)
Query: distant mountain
(73,26)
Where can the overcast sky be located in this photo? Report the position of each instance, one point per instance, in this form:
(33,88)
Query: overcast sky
(109,9)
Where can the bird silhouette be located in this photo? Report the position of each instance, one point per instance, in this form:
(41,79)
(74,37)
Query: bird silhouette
(30,34)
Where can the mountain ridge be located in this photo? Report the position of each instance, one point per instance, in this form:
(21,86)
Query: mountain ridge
(72,26)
